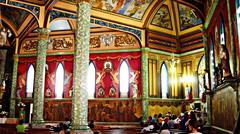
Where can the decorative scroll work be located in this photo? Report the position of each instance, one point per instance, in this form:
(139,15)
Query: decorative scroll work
(110,41)
(30,46)
(54,44)
(62,43)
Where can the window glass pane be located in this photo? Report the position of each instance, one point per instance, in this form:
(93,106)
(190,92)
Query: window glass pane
(59,81)
(238,24)
(164,81)
(60,25)
(222,32)
(30,81)
(91,80)
(212,61)
(201,68)
(124,79)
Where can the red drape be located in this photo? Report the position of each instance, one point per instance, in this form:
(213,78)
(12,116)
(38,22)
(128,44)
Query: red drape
(108,79)
(23,66)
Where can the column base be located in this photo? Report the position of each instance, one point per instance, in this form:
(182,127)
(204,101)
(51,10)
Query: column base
(38,124)
(89,131)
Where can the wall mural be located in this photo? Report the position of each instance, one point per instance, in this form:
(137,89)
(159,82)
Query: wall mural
(114,110)
(162,18)
(175,107)
(130,8)
(188,17)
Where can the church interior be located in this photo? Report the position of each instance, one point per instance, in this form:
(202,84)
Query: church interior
(117,62)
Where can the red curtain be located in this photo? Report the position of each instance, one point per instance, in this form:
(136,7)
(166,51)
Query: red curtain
(106,79)
(23,66)
(52,62)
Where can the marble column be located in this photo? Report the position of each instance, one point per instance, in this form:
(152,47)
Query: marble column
(145,83)
(39,80)
(80,71)
(14,87)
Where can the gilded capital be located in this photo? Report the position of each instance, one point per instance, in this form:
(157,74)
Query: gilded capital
(43,33)
(15,57)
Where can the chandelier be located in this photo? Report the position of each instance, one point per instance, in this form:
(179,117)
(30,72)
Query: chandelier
(4,32)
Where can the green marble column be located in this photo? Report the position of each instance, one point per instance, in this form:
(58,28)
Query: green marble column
(80,71)
(39,80)
(14,87)
(145,83)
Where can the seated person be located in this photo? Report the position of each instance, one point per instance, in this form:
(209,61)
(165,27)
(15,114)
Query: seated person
(20,127)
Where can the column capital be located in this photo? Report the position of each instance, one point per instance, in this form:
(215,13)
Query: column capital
(43,33)
(15,57)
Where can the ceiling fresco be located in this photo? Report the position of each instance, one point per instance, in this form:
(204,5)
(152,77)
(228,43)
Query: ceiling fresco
(16,16)
(129,8)
(188,17)
(162,18)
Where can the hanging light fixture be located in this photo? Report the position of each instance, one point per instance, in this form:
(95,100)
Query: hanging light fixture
(4,33)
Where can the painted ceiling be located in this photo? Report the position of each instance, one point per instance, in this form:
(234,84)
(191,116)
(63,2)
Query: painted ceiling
(129,8)
(14,15)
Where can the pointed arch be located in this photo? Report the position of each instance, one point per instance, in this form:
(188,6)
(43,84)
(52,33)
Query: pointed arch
(124,72)
(59,83)
(222,31)
(91,80)
(30,80)
(164,80)
(200,70)
(212,63)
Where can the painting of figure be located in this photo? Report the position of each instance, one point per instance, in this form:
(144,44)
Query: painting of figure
(130,8)
(188,17)
(162,18)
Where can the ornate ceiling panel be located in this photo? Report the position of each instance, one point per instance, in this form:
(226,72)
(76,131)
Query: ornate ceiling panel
(163,18)
(16,16)
(188,17)
(130,8)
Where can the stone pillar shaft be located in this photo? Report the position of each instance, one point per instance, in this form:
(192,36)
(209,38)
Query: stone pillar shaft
(80,71)
(14,86)
(145,83)
(39,80)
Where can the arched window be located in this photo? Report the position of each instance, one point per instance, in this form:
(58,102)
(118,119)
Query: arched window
(201,68)
(164,81)
(222,31)
(91,80)
(212,63)
(59,84)
(238,19)
(30,80)
(124,79)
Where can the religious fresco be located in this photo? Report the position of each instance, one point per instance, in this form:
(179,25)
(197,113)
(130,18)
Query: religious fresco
(57,110)
(162,18)
(17,17)
(130,8)
(114,110)
(188,17)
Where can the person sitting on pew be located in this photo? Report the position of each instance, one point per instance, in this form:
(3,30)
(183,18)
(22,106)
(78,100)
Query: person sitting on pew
(192,127)
(20,127)
(165,129)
